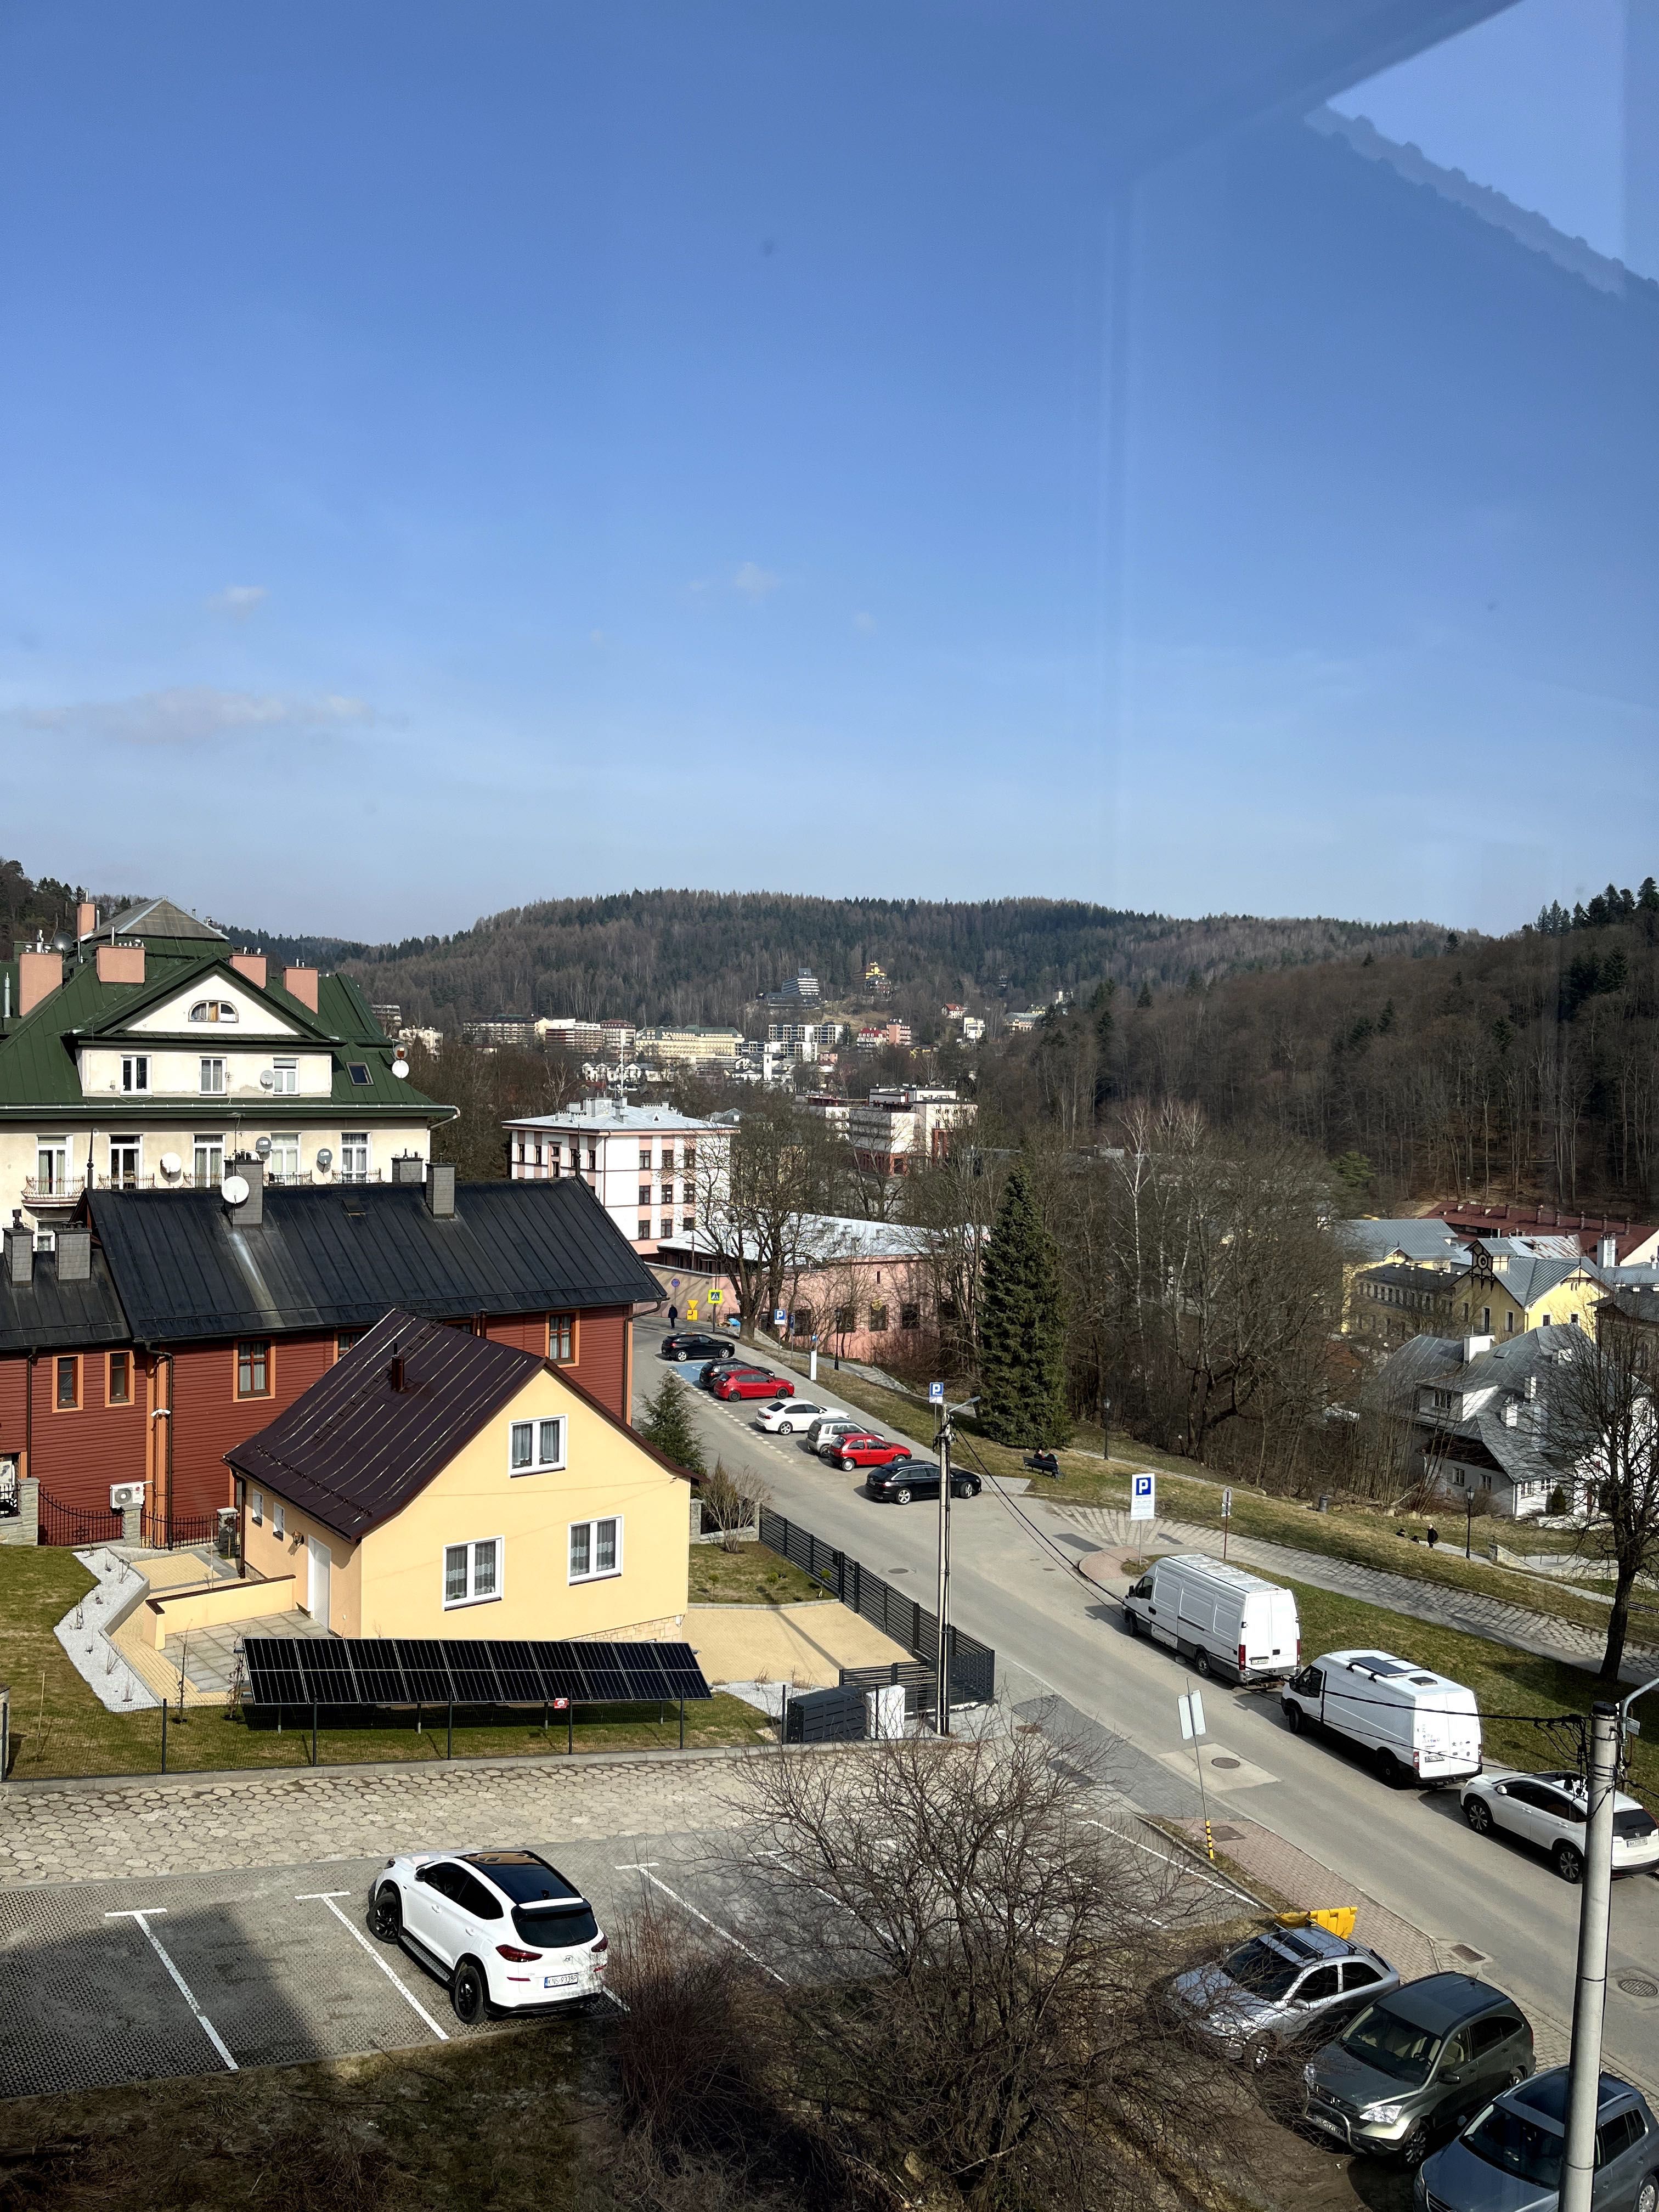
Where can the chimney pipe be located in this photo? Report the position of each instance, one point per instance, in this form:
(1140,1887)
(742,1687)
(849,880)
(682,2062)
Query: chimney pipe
(396,1372)
(39,974)
(86,918)
(440,1190)
(20,1251)
(251,1213)
(75,1256)
(301,983)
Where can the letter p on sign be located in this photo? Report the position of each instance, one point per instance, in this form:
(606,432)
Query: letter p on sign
(1143,1498)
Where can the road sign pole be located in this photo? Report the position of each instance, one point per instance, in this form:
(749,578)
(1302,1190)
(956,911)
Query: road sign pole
(942,1717)
(1191,1710)
(1590,1996)
(1226,1518)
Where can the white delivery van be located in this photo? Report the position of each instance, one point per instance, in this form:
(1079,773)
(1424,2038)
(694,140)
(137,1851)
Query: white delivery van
(1416,1725)
(1224,1620)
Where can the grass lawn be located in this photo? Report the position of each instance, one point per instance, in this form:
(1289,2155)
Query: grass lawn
(1363,1537)
(752,1574)
(59,1727)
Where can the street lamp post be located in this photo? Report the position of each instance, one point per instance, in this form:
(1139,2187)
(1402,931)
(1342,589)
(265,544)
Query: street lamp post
(1608,1726)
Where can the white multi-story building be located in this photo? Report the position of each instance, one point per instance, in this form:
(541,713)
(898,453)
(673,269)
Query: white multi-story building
(806,1040)
(689,1044)
(646,1164)
(897,1130)
(759,1062)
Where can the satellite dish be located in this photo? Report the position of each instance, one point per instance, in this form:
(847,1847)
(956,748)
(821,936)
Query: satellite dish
(262,1147)
(324,1158)
(267,1080)
(400,1068)
(171,1165)
(234,1190)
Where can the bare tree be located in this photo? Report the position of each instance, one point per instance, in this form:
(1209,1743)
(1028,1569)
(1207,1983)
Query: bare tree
(985,2023)
(756,1197)
(1603,1393)
(732,1503)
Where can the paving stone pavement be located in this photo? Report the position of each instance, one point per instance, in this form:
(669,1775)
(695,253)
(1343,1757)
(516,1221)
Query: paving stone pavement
(1476,1614)
(70,1831)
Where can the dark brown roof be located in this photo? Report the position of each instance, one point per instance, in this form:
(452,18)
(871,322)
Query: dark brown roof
(352,1451)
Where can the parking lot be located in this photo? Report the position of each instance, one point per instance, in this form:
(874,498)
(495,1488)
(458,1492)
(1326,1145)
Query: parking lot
(106,1983)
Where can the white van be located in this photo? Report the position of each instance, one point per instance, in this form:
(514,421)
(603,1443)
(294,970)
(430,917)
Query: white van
(1416,1725)
(1224,1620)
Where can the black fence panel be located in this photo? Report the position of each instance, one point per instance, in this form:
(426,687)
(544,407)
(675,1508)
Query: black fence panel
(973,1664)
(825,1716)
(78,1526)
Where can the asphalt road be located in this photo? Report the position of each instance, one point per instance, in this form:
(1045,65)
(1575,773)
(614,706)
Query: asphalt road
(1411,1851)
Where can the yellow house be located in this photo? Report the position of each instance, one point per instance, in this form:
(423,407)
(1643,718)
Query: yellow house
(434,1483)
(1507,1293)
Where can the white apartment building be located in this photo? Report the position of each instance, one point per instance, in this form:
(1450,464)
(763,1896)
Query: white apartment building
(690,1045)
(806,1040)
(898,1129)
(645,1164)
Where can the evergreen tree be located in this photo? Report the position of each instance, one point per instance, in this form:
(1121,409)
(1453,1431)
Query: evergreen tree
(667,1423)
(1022,1328)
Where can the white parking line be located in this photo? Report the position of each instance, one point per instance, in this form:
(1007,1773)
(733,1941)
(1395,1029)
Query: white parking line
(685,1905)
(1182,1866)
(183,1987)
(327,1897)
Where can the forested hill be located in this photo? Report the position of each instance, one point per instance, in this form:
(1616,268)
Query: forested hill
(704,956)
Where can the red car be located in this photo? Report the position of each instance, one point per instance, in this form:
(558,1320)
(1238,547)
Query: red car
(753,1382)
(865,1449)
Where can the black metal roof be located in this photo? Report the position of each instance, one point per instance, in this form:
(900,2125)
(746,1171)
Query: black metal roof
(337,1256)
(44,1314)
(286,1672)
(352,1450)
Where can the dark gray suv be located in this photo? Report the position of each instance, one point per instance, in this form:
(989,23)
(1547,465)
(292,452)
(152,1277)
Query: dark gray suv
(1416,2065)
(1510,2160)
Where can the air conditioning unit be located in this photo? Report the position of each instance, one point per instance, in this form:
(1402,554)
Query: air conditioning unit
(123,1496)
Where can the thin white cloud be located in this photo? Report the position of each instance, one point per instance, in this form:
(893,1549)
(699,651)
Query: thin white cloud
(195,716)
(754,581)
(239,599)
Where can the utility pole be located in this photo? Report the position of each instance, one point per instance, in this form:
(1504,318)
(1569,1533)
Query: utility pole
(942,1446)
(1608,1727)
(1590,1993)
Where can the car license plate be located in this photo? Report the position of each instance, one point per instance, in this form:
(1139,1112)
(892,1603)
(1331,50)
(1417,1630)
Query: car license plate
(1331,2127)
(559,1981)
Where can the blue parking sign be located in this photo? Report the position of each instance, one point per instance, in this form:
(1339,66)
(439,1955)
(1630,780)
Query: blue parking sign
(1143,1498)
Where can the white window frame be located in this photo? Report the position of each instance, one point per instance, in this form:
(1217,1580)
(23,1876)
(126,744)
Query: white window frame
(278,1518)
(256,1508)
(285,1078)
(592,1573)
(135,1071)
(56,1150)
(212,1065)
(536,1429)
(284,1147)
(354,1145)
(473,1595)
(133,1145)
(209,1145)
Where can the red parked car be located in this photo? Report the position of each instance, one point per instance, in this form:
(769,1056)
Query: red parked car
(865,1449)
(753,1382)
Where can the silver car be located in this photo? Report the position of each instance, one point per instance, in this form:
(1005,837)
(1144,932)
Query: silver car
(829,1426)
(1281,1987)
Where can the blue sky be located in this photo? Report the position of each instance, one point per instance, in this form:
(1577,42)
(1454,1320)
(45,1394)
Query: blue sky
(457,456)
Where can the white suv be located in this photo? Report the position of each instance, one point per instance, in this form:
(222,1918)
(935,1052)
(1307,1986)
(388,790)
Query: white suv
(829,1428)
(1549,1811)
(504,1928)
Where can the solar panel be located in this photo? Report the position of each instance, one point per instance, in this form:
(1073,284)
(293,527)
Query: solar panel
(273,1671)
(474,1677)
(380,1676)
(326,1667)
(517,1673)
(425,1671)
(431,1670)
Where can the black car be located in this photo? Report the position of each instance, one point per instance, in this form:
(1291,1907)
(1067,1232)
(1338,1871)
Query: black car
(693,1347)
(728,1364)
(917,1478)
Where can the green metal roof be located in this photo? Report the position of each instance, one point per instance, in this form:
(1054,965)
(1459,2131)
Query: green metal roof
(37,1072)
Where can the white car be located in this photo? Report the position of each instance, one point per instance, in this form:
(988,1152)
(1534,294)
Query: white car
(503,1929)
(788,1417)
(1549,1812)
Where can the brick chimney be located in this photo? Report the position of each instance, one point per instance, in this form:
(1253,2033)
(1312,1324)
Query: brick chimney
(39,975)
(253,965)
(19,1251)
(301,983)
(121,963)
(86,918)
(440,1190)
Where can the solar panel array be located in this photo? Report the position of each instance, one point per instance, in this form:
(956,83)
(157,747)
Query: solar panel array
(305,1670)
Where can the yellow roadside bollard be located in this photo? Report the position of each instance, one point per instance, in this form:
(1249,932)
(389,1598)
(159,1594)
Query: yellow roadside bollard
(1335,1919)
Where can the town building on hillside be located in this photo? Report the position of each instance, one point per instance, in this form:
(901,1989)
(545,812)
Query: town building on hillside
(760,1061)
(165,1328)
(874,1035)
(505,1029)
(830,1106)
(645,1164)
(806,1040)
(609,1040)
(896,1131)
(429,1039)
(1480,1410)
(857,1289)
(689,1045)
(801,990)
(432,1483)
(1611,1242)
(973,1029)
(150,1053)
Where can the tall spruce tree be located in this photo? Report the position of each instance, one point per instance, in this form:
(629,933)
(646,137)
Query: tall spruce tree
(667,1423)
(1022,1337)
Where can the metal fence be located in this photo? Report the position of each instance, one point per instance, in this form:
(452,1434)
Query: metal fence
(973,1664)
(78,1526)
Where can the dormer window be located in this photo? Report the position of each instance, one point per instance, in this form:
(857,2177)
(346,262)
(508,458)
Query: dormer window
(215,1010)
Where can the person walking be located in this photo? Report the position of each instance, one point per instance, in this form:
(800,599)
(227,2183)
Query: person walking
(1433,1535)
(673,1317)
